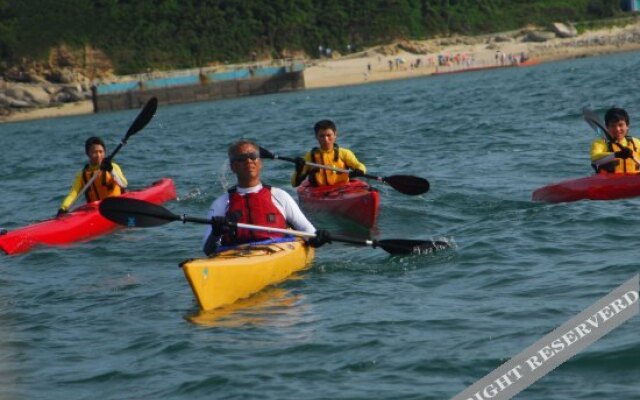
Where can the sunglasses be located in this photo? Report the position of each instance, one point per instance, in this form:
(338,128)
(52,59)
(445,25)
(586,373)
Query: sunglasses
(246,156)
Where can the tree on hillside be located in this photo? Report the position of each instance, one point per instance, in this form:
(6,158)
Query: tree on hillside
(8,39)
(141,34)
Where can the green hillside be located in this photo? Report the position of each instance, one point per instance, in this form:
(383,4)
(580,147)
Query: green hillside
(141,34)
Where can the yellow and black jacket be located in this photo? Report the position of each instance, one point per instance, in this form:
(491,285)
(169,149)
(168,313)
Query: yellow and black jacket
(108,184)
(603,158)
(338,157)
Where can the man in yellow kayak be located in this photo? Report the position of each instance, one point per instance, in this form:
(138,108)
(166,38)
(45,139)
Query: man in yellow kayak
(252,202)
(329,153)
(110,181)
(621,153)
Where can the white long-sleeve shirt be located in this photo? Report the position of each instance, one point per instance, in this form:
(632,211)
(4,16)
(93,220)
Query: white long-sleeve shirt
(281,199)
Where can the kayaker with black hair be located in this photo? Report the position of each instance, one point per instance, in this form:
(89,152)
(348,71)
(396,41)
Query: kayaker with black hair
(620,152)
(111,181)
(329,153)
(253,202)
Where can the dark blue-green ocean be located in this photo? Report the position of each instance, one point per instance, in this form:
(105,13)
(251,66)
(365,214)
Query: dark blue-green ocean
(115,318)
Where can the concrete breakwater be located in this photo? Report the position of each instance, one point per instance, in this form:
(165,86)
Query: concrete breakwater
(198,85)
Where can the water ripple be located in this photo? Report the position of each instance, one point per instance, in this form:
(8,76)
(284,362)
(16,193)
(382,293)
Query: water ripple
(115,316)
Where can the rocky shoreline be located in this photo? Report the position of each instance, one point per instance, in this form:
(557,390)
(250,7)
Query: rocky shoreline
(63,86)
(65,78)
(17,97)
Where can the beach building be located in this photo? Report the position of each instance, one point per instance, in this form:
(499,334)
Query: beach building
(630,5)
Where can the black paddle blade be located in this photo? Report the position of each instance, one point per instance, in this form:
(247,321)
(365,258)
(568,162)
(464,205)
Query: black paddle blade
(408,184)
(406,246)
(264,153)
(594,122)
(135,213)
(143,118)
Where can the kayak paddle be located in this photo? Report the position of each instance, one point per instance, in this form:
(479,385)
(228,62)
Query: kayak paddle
(140,122)
(594,122)
(406,184)
(142,214)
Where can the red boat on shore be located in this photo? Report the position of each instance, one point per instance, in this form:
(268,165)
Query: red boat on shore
(355,200)
(595,187)
(82,224)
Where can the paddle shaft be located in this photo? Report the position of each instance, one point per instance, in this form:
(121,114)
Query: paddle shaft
(137,213)
(363,242)
(186,218)
(406,184)
(168,217)
(327,167)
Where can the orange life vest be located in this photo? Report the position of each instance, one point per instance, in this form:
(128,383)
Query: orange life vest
(102,187)
(620,165)
(324,177)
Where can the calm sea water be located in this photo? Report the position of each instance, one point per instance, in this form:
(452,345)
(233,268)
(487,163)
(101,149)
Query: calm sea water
(115,319)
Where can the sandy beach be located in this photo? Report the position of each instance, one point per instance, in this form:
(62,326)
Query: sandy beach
(454,54)
(67,109)
(468,54)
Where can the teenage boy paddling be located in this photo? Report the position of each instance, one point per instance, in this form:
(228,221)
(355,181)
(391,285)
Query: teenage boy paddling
(329,153)
(620,152)
(111,181)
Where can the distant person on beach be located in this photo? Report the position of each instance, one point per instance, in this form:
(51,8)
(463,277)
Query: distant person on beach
(110,181)
(620,152)
(252,202)
(330,154)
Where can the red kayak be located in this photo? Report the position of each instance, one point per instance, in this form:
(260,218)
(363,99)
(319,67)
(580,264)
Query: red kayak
(82,224)
(595,187)
(355,200)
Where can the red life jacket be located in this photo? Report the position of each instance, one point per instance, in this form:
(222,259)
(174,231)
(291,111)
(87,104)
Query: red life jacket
(252,208)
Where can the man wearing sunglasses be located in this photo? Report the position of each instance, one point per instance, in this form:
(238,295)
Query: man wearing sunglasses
(251,202)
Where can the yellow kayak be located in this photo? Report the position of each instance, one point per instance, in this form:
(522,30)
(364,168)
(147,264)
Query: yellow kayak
(235,274)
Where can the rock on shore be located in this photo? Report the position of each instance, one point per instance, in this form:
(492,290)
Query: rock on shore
(16,96)
(66,77)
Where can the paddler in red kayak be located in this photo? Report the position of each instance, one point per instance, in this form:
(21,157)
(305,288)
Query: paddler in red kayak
(110,183)
(252,202)
(329,153)
(619,154)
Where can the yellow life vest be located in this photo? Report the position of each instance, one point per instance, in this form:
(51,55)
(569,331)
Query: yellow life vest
(622,166)
(324,177)
(104,186)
